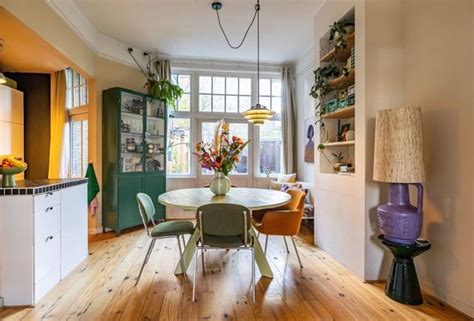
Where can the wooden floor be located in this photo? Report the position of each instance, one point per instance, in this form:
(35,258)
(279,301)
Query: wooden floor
(102,288)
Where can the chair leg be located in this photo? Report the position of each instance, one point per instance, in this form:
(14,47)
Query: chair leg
(194,275)
(266,243)
(145,261)
(286,245)
(181,258)
(202,263)
(258,235)
(296,250)
(184,240)
(253,275)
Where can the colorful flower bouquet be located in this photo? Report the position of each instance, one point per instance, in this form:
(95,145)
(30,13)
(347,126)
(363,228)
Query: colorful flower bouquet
(222,155)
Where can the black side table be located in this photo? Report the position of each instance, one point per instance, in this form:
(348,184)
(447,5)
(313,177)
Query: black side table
(402,284)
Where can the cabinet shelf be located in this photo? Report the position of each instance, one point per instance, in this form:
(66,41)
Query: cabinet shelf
(343,81)
(346,112)
(342,54)
(340,144)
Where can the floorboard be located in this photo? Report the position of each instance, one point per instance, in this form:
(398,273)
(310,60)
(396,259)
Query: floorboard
(103,287)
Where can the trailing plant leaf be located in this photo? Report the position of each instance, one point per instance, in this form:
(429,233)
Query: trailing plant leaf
(166,92)
(337,34)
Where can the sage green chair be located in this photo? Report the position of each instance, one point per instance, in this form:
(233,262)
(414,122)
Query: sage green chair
(224,226)
(162,230)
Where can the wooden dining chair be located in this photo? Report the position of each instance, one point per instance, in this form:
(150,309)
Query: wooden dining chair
(282,221)
(162,230)
(224,226)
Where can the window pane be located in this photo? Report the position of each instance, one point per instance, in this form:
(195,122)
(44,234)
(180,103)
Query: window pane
(240,130)
(184,103)
(184,81)
(85,146)
(218,103)
(265,87)
(75,79)
(245,86)
(174,79)
(76,149)
(205,85)
(218,85)
(75,101)
(237,129)
(244,103)
(276,104)
(276,87)
(232,86)
(232,104)
(270,147)
(265,101)
(179,133)
(83,95)
(205,102)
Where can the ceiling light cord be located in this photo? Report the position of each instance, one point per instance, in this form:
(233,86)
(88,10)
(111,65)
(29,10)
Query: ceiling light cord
(257,9)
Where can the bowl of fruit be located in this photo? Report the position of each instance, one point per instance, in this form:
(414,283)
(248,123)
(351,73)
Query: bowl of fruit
(9,166)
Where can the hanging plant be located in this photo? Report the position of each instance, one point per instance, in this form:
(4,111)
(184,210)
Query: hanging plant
(338,34)
(161,89)
(321,87)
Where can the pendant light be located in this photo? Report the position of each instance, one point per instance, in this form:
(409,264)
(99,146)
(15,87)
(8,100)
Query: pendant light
(258,113)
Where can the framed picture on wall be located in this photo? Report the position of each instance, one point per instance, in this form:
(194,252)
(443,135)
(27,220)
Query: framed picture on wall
(309,140)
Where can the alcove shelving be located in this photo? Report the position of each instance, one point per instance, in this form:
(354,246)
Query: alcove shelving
(338,109)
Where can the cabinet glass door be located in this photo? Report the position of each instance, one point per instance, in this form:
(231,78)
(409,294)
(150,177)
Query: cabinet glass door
(131,127)
(155,136)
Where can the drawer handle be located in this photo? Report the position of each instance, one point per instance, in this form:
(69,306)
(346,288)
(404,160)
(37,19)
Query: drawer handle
(49,194)
(49,209)
(49,238)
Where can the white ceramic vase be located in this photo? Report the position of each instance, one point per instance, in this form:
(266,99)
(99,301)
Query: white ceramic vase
(219,184)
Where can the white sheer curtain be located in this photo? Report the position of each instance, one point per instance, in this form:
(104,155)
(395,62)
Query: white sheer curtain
(288,119)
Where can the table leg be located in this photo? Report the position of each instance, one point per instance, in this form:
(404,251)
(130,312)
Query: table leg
(260,257)
(188,253)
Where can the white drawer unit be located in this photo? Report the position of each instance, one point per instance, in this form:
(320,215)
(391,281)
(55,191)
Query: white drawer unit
(43,237)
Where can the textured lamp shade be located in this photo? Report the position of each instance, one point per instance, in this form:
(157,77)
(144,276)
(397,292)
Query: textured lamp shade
(399,146)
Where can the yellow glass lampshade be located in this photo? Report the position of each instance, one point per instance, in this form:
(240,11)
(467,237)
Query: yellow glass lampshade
(3,79)
(398,156)
(258,114)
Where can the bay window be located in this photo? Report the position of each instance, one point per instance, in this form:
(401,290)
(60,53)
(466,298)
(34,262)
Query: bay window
(211,96)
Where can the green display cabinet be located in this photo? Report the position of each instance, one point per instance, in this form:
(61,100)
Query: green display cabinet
(133,156)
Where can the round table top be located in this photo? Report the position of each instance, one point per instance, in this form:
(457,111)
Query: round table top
(252,198)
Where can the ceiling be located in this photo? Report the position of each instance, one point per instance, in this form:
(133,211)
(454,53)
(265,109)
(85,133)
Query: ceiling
(189,29)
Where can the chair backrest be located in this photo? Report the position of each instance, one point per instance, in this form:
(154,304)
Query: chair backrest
(146,209)
(224,220)
(297,200)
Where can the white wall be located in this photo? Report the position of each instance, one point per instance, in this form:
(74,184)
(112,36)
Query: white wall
(438,44)
(304,79)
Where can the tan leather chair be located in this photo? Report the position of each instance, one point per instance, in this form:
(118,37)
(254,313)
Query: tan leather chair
(283,221)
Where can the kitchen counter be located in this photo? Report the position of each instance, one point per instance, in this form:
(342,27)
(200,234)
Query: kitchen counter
(39,186)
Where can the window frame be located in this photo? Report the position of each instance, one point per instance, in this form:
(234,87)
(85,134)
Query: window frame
(77,113)
(197,117)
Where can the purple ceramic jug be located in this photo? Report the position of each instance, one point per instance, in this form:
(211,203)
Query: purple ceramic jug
(398,220)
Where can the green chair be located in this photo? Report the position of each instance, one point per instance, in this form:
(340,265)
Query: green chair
(224,226)
(162,230)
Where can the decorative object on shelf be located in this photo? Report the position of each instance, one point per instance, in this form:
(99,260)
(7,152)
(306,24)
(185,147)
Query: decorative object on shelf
(267,171)
(161,89)
(321,88)
(342,133)
(220,156)
(131,144)
(338,34)
(402,283)
(9,166)
(398,160)
(350,135)
(309,147)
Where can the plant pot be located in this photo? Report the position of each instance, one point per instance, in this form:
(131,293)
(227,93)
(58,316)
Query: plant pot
(219,184)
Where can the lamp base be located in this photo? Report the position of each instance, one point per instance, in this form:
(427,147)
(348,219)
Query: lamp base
(398,220)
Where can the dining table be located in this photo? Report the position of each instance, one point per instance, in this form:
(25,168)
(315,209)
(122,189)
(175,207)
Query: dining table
(191,199)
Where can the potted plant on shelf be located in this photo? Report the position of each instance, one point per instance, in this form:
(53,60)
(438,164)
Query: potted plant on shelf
(220,156)
(339,32)
(161,89)
(337,158)
(321,87)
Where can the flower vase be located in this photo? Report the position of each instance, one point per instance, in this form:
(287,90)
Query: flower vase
(219,184)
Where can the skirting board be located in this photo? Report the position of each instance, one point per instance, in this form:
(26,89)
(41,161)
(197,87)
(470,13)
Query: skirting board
(448,298)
